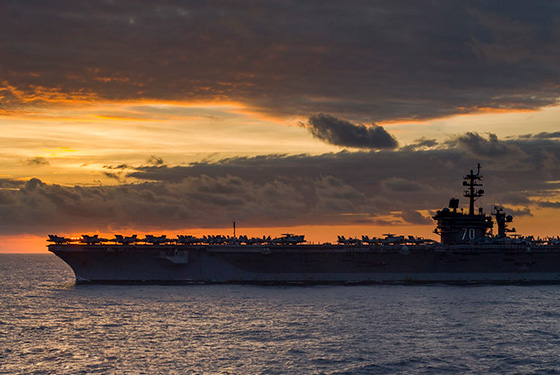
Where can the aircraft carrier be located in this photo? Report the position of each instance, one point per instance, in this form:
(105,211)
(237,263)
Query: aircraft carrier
(469,251)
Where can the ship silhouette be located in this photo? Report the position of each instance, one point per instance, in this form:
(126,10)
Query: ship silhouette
(469,251)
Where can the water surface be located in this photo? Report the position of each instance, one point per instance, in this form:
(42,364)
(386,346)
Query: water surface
(48,325)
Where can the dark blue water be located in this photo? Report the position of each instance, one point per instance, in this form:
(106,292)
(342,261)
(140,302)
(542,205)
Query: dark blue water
(50,326)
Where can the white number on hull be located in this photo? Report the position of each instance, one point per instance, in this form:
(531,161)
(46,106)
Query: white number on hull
(468,233)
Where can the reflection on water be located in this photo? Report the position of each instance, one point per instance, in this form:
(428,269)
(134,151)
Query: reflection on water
(49,325)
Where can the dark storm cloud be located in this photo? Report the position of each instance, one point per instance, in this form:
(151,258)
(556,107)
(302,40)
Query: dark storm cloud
(343,133)
(6,183)
(398,184)
(420,144)
(200,201)
(543,135)
(482,147)
(365,61)
(277,190)
(415,217)
(518,172)
(519,212)
(549,204)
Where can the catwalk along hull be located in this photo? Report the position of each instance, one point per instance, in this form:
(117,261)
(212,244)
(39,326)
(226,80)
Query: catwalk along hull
(311,264)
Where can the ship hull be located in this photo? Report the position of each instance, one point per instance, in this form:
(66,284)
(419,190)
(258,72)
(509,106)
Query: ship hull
(311,264)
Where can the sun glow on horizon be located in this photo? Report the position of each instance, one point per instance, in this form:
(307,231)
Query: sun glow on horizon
(26,243)
(541,224)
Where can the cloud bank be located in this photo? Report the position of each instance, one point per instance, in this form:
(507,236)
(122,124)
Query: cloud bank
(366,61)
(343,133)
(344,188)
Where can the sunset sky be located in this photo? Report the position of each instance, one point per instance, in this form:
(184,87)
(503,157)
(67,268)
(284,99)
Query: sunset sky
(314,117)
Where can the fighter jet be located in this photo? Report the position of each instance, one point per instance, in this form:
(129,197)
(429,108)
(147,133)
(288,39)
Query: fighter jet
(289,239)
(188,239)
(155,239)
(258,240)
(348,241)
(58,239)
(126,240)
(392,239)
(91,240)
(370,241)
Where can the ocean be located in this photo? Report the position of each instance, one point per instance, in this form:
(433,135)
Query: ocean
(48,325)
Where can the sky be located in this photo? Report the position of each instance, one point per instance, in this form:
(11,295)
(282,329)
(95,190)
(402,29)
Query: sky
(323,118)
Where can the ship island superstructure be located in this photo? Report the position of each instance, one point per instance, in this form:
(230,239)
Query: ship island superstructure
(468,252)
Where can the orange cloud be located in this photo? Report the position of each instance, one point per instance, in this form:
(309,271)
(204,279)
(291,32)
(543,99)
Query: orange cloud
(33,94)
(497,110)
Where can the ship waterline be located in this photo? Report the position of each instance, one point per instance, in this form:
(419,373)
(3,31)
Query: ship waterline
(310,264)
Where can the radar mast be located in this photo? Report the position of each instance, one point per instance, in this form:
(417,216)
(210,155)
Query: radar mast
(472,192)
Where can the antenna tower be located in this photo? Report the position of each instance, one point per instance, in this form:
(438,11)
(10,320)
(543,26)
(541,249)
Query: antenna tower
(472,192)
